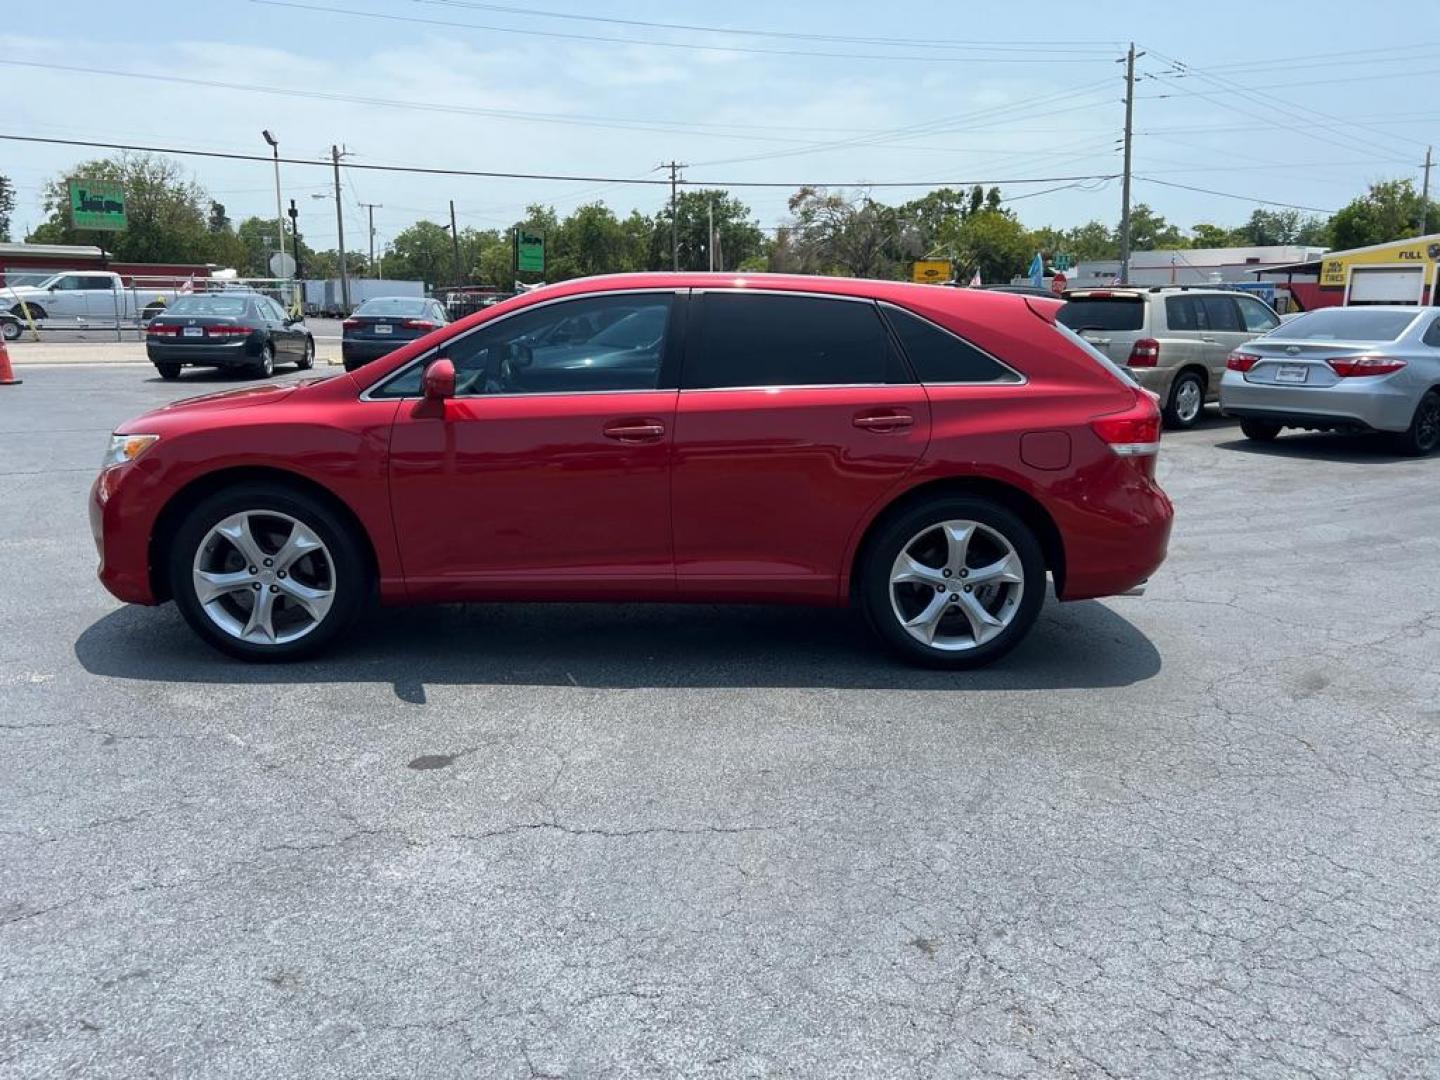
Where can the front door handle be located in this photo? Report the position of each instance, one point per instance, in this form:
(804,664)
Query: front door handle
(1209,341)
(643,430)
(883,422)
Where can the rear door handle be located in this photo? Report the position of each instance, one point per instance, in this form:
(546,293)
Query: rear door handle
(882,422)
(646,430)
(1209,341)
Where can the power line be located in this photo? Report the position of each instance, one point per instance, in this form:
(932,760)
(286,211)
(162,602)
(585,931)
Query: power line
(425,170)
(1232,195)
(450,24)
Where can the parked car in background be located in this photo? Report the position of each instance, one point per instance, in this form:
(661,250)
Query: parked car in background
(10,327)
(382,325)
(1174,339)
(227,330)
(91,296)
(1372,368)
(929,455)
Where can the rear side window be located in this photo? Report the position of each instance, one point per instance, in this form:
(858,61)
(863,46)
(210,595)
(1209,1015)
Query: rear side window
(1222,314)
(937,355)
(1104,313)
(1183,313)
(764,339)
(1432,336)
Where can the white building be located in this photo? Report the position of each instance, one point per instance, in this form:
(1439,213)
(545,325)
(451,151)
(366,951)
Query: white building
(1192,266)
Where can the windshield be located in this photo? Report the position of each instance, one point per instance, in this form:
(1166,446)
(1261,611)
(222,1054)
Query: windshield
(1103,313)
(398,307)
(223,306)
(637,329)
(1348,324)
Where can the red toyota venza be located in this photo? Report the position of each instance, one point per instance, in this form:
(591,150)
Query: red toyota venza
(928,454)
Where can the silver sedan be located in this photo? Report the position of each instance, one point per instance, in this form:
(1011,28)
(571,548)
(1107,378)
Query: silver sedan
(1374,368)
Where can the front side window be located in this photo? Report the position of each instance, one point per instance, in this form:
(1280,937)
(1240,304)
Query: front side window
(525,354)
(66,283)
(97,284)
(1259,319)
(765,339)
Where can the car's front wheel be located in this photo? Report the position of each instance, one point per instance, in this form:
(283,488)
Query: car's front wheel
(267,573)
(10,331)
(954,582)
(307,358)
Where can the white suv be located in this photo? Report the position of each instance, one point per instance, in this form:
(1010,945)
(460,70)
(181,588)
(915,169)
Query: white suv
(1173,338)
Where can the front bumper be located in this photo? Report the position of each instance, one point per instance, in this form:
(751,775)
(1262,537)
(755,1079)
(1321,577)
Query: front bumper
(121,526)
(1376,403)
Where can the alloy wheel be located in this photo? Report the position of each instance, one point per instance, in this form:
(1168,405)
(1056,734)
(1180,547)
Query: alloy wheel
(1189,399)
(956,585)
(264,577)
(1427,423)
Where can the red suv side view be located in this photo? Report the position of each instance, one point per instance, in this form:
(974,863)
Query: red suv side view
(928,454)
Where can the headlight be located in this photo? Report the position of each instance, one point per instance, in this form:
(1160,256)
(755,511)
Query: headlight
(126,448)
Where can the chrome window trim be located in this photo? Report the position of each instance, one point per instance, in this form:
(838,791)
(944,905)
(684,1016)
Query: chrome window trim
(1019,378)
(430,354)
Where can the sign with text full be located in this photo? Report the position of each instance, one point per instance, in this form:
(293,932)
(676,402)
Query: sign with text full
(97,204)
(1423,252)
(931,271)
(529,251)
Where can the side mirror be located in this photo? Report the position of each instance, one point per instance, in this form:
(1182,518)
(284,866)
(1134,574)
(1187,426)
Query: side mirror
(438,383)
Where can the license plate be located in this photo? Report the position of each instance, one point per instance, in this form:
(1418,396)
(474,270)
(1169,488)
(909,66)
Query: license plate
(193,331)
(383,328)
(1292,373)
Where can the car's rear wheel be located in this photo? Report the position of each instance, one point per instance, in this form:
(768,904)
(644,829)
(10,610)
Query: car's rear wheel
(307,358)
(1423,434)
(1186,402)
(266,573)
(954,582)
(265,366)
(168,371)
(1259,430)
(10,330)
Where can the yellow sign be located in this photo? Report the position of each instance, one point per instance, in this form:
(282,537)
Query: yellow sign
(931,271)
(1334,268)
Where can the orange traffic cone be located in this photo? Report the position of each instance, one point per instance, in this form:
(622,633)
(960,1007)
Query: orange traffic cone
(7,373)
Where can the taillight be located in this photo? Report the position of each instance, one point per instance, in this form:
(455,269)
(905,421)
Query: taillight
(1145,353)
(161,331)
(1240,360)
(1356,366)
(1132,432)
(419,324)
(350,324)
(229,331)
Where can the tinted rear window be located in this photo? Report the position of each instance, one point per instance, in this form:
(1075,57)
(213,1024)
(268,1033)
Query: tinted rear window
(762,339)
(1103,313)
(393,307)
(939,356)
(1348,324)
(225,306)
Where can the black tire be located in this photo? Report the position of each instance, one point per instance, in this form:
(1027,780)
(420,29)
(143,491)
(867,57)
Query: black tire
(351,580)
(264,367)
(1423,434)
(1186,403)
(10,331)
(914,526)
(307,358)
(36,312)
(1259,430)
(168,371)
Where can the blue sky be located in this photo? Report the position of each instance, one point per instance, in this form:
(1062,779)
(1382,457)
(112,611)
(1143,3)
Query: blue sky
(1297,104)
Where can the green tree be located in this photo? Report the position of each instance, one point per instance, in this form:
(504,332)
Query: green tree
(422,252)
(257,238)
(1216,236)
(1150,231)
(991,241)
(7,207)
(164,209)
(739,237)
(1392,210)
(834,234)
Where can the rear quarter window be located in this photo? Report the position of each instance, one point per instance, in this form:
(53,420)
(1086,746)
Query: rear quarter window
(1103,313)
(938,356)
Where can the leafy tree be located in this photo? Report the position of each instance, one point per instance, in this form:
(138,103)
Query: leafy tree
(7,207)
(257,238)
(592,240)
(1150,231)
(165,221)
(422,252)
(739,236)
(218,221)
(833,234)
(1216,236)
(1392,210)
(991,241)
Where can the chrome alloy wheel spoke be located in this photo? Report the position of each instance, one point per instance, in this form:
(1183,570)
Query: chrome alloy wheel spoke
(956,606)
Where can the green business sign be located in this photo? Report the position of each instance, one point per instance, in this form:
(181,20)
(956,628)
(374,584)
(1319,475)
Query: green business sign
(97,204)
(529,252)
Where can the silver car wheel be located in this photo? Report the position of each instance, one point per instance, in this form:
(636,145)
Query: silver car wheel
(1189,399)
(956,585)
(264,577)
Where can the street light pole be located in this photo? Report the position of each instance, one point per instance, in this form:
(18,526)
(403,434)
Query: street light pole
(279,206)
(335,155)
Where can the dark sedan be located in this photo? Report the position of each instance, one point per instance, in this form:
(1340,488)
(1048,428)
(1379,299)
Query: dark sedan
(247,330)
(382,325)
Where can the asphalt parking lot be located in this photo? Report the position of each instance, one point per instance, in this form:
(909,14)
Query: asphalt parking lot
(1191,834)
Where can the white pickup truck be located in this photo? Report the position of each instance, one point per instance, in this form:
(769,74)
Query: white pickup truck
(84,297)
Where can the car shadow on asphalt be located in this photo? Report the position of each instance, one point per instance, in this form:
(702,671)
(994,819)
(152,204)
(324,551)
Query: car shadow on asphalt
(1080,645)
(1374,449)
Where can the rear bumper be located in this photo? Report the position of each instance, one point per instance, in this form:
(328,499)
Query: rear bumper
(228,354)
(362,352)
(1115,530)
(1373,404)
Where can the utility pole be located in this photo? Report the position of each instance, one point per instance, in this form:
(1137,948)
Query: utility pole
(455,243)
(335,155)
(370,208)
(1125,180)
(674,167)
(710,233)
(1425,195)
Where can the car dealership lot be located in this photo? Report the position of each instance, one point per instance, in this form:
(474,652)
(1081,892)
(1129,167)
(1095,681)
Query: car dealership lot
(1192,833)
